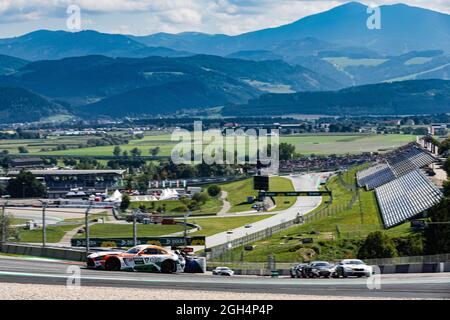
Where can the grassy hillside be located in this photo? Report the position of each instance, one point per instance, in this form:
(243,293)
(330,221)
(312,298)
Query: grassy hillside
(336,236)
(239,191)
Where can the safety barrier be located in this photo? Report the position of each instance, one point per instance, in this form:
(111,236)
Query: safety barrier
(262,269)
(46,252)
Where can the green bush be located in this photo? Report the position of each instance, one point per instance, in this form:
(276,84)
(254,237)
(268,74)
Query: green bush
(181,208)
(409,246)
(377,245)
(125,204)
(214,190)
(193,205)
(200,197)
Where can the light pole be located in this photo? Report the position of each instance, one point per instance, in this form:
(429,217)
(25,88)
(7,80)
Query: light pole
(186,215)
(44,228)
(86,220)
(135,227)
(4,230)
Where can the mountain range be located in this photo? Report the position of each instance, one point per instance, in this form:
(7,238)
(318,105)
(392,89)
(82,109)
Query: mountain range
(330,54)
(398,98)
(18,105)
(403,28)
(159,85)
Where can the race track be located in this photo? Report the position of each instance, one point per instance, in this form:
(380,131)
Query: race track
(400,286)
(303,205)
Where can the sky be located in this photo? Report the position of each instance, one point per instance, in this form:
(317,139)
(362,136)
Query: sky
(143,17)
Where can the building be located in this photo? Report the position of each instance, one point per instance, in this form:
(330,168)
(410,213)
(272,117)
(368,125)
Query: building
(23,163)
(60,182)
(438,129)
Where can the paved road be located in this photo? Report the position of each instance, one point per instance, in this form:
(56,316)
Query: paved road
(42,271)
(303,206)
(226,205)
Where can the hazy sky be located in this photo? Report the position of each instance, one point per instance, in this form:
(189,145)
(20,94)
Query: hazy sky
(150,16)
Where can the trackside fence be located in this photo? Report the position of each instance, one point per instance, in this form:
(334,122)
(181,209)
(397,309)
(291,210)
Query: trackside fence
(439,258)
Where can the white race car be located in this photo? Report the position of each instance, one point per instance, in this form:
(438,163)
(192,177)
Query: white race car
(147,258)
(352,267)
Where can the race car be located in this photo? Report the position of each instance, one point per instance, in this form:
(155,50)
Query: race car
(352,267)
(149,258)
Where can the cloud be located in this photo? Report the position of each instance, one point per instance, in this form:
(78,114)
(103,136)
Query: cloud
(211,16)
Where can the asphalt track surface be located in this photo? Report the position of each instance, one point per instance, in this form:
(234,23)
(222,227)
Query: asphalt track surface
(42,271)
(302,206)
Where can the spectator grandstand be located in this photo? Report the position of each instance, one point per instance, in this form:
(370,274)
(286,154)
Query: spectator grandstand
(375,176)
(394,165)
(406,197)
(325,163)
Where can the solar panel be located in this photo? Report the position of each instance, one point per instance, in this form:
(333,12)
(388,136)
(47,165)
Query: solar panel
(406,197)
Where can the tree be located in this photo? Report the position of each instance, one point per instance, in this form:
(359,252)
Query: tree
(117,151)
(287,151)
(200,197)
(25,185)
(125,204)
(10,231)
(136,152)
(377,245)
(437,233)
(446,166)
(446,187)
(22,149)
(155,151)
(214,190)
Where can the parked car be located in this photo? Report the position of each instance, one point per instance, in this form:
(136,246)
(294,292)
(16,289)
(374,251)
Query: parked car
(297,270)
(352,267)
(223,271)
(318,269)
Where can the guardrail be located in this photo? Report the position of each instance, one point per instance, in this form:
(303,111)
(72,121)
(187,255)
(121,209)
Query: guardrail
(439,258)
(47,252)
(429,265)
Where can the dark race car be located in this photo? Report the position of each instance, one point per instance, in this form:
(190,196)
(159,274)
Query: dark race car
(317,269)
(297,270)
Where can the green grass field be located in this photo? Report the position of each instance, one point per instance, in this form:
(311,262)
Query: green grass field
(305,144)
(335,237)
(211,206)
(239,191)
(344,144)
(53,234)
(109,230)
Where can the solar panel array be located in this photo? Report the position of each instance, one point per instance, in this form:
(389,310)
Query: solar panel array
(395,165)
(406,197)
